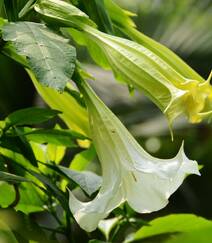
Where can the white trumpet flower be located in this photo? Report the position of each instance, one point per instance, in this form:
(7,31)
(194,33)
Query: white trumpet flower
(129,173)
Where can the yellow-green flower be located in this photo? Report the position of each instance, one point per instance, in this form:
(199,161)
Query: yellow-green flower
(148,66)
(129,173)
(148,72)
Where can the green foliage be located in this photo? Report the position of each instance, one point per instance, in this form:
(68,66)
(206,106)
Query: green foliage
(11,9)
(31,199)
(54,136)
(45,153)
(49,55)
(1,5)
(7,194)
(6,235)
(13,153)
(98,13)
(8,177)
(176,228)
(52,189)
(82,159)
(30,116)
(22,227)
(77,119)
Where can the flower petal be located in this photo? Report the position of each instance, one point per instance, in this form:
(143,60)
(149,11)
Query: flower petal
(148,192)
(129,173)
(88,214)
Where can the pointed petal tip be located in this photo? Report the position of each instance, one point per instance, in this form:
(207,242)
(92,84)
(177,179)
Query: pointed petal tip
(87,221)
(189,166)
(209,77)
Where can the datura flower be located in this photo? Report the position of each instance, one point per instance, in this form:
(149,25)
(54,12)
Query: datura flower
(149,72)
(129,173)
(147,66)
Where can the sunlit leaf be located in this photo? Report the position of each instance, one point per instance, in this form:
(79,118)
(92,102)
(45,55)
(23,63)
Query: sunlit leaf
(54,136)
(82,159)
(30,116)
(74,115)
(15,156)
(30,199)
(55,153)
(24,146)
(7,194)
(52,188)
(49,55)
(177,228)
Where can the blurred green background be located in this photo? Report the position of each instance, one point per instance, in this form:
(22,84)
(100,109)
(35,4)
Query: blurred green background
(185,27)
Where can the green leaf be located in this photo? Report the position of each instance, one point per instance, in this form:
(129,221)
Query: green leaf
(87,180)
(2,12)
(30,199)
(177,228)
(98,13)
(30,116)
(48,153)
(11,178)
(49,55)
(203,235)
(7,193)
(16,156)
(24,146)
(9,50)
(2,126)
(82,159)
(1,6)
(55,153)
(52,189)
(23,227)
(6,235)
(11,8)
(54,136)
(74,115)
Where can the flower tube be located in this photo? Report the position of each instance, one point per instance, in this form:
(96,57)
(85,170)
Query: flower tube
(147,71)
(129,173)
(148,66)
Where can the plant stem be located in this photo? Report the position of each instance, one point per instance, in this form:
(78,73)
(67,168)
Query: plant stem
(69,231)
(17,197)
